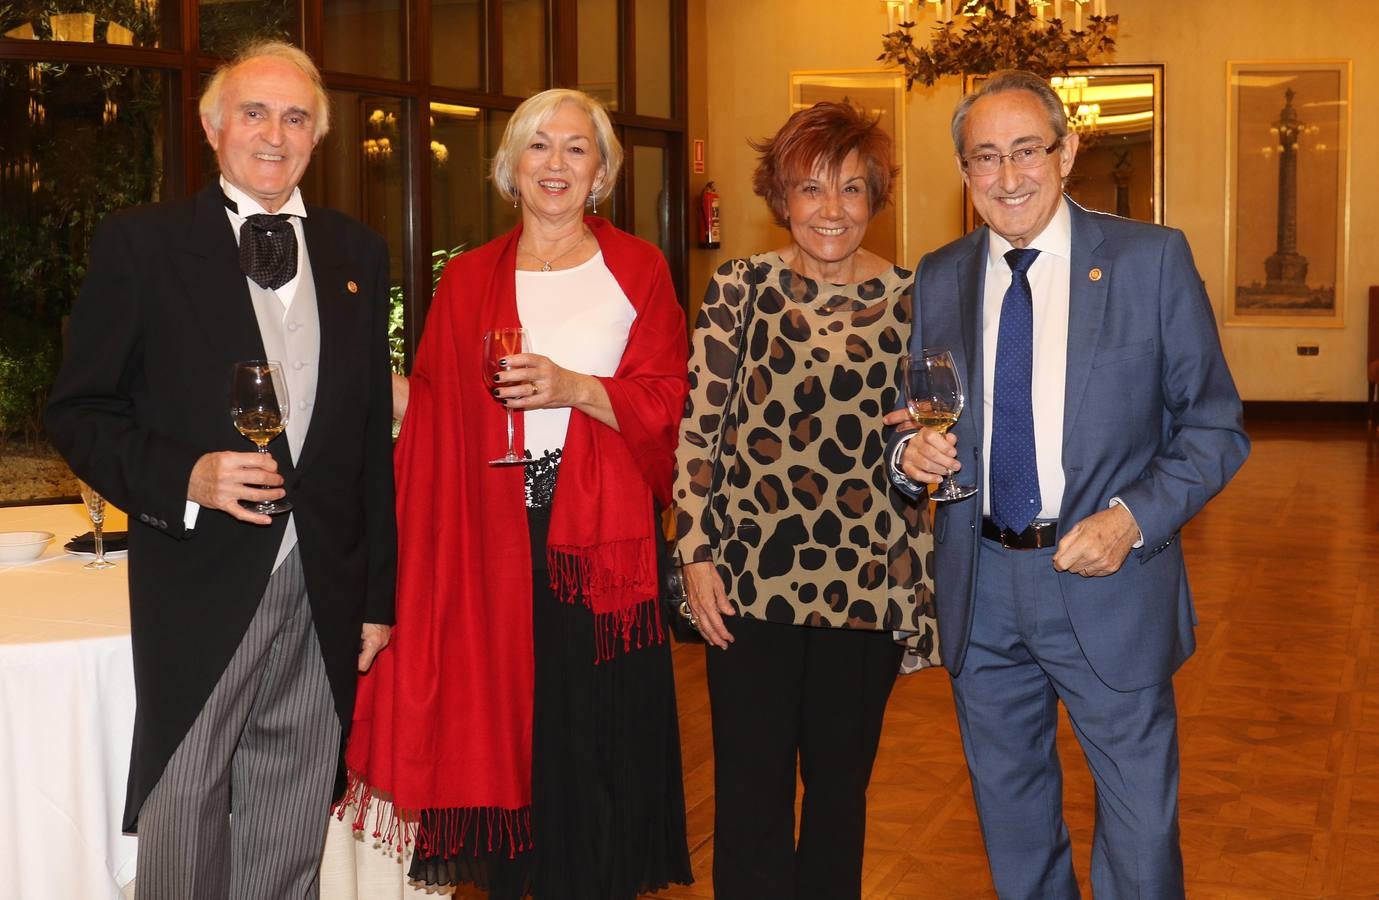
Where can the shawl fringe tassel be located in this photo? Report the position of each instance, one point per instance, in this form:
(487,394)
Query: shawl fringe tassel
(590,575)
(439,832)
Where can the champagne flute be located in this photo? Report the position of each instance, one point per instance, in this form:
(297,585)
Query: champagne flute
(933,398)
(259,406)
(499,344)
(95,509)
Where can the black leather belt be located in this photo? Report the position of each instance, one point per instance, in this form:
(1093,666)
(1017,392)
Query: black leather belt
(1037,536)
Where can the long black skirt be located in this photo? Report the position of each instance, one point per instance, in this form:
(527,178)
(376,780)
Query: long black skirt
(608,803)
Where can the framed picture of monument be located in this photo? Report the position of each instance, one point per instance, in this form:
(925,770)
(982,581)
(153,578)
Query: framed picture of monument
(1287,192)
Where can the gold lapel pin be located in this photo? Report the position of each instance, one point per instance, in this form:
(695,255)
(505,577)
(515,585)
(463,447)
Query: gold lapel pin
(1093,275)
(354,288)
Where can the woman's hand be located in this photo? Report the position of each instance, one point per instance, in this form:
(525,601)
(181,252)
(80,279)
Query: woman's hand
(401,391)
(708,601)
(533,381)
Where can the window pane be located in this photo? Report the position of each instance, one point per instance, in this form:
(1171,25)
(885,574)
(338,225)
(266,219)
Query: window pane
(358,168)
(650,202)
(363,37)
(227,25)
(599,49)
(466,210)
(457,59)
(654,58)
(122,22)
(76,142)
(524,47)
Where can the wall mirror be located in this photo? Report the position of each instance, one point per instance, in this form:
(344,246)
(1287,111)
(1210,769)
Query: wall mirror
(1117,112)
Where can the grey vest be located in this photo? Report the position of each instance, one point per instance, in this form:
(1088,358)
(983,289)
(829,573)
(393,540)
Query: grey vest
(292,336)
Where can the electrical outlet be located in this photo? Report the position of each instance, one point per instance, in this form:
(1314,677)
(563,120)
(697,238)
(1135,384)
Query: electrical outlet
(1309,350)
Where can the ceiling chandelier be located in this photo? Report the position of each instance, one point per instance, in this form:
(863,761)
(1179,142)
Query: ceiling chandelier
(1082,115)
(976,37)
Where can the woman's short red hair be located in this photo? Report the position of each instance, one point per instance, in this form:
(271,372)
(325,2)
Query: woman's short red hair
(816,141)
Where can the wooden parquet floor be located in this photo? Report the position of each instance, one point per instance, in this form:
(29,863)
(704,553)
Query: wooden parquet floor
(1279,708)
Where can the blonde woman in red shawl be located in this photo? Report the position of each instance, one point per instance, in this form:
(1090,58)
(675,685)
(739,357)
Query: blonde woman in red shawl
(522,730)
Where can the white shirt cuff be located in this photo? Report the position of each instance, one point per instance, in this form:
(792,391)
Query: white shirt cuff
(189,516)
(899,473)
(1116,501)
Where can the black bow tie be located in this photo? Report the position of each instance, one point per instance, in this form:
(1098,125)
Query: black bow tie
(268,249)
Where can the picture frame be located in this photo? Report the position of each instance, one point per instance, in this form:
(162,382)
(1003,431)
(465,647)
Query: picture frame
(1120,161)
(880,92)
(1287,192)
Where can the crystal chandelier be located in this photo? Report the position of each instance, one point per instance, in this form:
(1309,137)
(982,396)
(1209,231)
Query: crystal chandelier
(976,37)
(1082,116)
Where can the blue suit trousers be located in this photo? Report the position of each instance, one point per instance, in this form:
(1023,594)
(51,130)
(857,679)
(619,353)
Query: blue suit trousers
(1023,658)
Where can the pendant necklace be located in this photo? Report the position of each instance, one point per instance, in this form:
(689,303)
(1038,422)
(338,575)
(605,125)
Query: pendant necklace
(546,263)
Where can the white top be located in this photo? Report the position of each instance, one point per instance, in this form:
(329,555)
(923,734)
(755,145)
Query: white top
(1048,281)
(580,318)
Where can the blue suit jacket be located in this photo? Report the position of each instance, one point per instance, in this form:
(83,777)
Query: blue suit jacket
(1151,415)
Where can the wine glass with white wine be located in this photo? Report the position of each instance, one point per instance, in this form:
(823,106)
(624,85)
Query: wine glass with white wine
(95,510)
(260,407)
(933,399)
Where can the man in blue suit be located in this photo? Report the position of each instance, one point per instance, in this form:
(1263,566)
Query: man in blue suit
(1101,418)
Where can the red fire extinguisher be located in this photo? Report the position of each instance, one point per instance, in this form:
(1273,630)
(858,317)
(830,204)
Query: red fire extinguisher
(710,225)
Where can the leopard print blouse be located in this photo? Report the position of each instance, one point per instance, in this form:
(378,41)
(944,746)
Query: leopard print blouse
(806,527)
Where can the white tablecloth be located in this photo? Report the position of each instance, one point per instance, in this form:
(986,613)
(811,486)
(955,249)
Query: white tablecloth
(66,717)
(66,720)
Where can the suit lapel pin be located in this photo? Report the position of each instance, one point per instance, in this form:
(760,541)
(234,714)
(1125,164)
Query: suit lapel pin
(1094,274)
(354,288)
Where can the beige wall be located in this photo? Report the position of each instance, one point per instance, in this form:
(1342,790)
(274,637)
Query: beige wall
(757,43)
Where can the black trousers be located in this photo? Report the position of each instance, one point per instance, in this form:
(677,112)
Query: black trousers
(778,694)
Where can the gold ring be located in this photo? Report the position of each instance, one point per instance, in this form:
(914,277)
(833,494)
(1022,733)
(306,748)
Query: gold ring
(535,388)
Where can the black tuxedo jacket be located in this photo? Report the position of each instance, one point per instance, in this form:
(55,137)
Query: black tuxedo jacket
(144,392)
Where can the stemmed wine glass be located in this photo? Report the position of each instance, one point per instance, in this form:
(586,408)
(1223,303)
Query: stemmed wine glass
(260,407)
(95,509)
(499,344)
(933,398)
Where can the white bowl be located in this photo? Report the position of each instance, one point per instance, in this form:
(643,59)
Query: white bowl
(22,546)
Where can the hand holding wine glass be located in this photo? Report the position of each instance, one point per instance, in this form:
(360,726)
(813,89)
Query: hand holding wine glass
(499,344)
(934,400)
(260,408)
(95,509)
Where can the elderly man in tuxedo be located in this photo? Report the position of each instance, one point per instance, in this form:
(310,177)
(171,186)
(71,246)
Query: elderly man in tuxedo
(1102,418)
(248,629)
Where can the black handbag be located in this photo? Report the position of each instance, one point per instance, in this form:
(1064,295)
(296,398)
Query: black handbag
(675,608)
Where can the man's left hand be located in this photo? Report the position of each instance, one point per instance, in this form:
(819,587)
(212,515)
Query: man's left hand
(373,639)
(1098,544)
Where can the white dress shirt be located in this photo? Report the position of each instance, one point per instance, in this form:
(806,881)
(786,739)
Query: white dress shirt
(1048,281)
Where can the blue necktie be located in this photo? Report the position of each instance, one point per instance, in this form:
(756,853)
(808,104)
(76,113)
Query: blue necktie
(1013,474)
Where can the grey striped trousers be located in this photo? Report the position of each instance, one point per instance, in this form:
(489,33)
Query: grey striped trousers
(240,812)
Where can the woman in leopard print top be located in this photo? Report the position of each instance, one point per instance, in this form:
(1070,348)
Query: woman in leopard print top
(801,559)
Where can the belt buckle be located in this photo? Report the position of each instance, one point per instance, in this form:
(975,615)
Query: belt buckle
(1010,539)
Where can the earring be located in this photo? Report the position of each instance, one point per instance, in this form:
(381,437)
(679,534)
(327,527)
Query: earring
(515,197)
(594,201)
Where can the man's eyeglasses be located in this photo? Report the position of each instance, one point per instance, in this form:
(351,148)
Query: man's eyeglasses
(1022,157)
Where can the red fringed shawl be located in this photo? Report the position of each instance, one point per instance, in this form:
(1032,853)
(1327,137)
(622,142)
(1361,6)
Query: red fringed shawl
(443,720)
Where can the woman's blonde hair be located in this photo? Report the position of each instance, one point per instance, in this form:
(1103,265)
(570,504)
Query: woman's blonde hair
(534,113)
